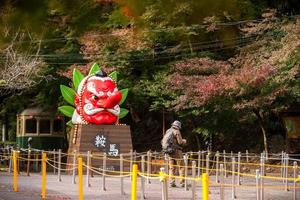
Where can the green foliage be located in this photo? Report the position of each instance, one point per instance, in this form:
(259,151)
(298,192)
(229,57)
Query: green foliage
(124,95)
(68,94)
(168,31)
(114,76)
(69,123)
(202,131)
(117,20)
(123,113)
(277,34)
(156,91)
(77,78)
(95,68)
(9,143)
(2,82)
(66,110)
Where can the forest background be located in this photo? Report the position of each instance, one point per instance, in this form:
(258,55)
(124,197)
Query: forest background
(228,69)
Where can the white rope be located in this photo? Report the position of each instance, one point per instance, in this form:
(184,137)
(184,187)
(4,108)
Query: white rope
(62,169)
(53,161)
(107,175)
(149,177)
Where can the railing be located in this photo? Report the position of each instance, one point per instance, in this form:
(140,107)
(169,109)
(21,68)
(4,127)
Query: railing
(200,167)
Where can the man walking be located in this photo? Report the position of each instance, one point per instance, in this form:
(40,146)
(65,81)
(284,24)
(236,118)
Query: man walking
(172,143)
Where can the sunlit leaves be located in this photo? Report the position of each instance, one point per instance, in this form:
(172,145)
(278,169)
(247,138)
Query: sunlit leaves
(123,113)
(68,94)
(77,78)
(114,76)
(95,68)
(66,110)
(124,93)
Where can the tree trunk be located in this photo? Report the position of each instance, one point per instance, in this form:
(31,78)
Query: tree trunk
(263,129)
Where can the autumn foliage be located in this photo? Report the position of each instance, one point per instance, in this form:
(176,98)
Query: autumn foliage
(252,78)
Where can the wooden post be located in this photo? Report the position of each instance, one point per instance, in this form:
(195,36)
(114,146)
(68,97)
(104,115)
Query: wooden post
(282,165)
(164,192)
(155,161)
(92,172)
(104,172)
(18,161)
(185,159)
(122,170)
(203,162)
(224,162)
(74,167)
(194,182)
(233,196)
(142,178)
(247,156)
(262,173)
(59,166)
(131,160)
(207,164)
(88,163)
(166,161)
(28,162)
(199,163)
(217,167)
(41,159)
(222,181)
(54,163)
(10,161)
(257,184)
(286,172)
(239,169)
(148,166)
(37,156)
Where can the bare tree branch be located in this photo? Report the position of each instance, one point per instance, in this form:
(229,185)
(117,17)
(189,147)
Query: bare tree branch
(21,71)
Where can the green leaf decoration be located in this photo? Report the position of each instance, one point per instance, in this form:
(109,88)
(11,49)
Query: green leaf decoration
(114,76)
(66,110)
(68,94)
(95,68)
(70,123)
(77,78)
(123,113)
(124,95)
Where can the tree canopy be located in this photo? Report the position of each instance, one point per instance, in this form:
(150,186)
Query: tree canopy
(225,68)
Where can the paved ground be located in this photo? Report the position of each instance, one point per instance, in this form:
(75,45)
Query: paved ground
(30,187)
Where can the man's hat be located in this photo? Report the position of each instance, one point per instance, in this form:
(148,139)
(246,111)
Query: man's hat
(177,124)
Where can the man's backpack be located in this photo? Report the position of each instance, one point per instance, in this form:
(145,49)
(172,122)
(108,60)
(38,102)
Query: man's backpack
(168,143)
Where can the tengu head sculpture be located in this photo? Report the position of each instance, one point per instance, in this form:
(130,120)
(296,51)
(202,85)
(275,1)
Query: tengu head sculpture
(97,100)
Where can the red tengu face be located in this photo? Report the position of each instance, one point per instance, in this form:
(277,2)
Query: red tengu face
(99,101)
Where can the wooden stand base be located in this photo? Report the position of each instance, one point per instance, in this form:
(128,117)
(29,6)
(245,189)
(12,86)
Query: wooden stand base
(100,139)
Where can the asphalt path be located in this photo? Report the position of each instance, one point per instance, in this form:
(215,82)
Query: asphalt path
(29,188)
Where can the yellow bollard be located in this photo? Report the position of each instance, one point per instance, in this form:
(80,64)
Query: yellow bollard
(44,171)
(15,171)
(80,182)
(133,181)
(205,186)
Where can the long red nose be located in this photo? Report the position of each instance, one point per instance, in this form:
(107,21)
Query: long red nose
(113,100)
